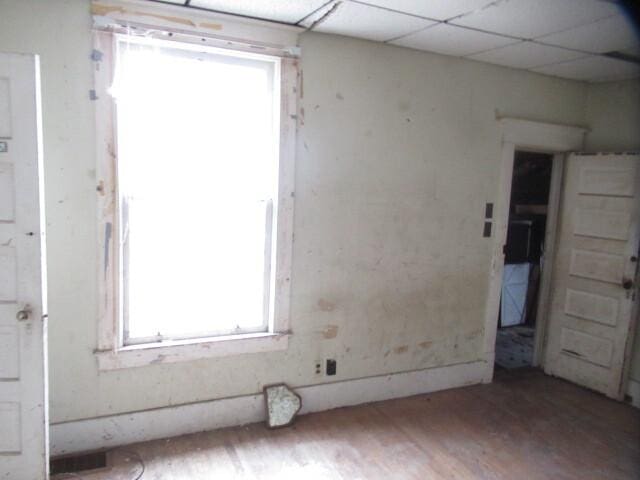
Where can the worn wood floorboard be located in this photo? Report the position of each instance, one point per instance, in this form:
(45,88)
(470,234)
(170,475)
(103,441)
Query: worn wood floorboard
(523,426)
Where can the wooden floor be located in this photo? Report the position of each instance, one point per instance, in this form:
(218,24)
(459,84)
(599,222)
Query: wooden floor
(523,426)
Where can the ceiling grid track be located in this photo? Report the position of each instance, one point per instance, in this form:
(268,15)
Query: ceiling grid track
(588,40)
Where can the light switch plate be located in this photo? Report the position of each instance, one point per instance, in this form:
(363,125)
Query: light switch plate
(487,229)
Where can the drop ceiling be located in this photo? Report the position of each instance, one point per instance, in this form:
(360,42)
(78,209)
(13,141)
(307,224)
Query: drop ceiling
(589,40)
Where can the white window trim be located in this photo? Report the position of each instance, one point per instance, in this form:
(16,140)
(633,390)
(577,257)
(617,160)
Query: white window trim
(111,353)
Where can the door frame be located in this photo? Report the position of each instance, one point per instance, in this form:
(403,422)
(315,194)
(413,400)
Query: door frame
(26,306)
(551,138)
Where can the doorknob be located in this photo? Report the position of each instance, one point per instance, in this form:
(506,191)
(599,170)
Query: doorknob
(23,315)
(627,283)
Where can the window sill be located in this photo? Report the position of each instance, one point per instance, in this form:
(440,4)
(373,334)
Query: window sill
(171,352)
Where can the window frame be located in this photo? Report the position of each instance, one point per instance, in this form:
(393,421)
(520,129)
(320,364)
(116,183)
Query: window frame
(266,324)
(112,352)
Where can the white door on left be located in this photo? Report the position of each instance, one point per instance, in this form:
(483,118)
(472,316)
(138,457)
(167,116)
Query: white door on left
(23,314)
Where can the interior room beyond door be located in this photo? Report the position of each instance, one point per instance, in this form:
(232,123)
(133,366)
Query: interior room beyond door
(524,259)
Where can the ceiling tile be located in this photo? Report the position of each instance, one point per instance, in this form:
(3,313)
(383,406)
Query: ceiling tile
(526,55)
(450,40)
(363,21)
(533,18)
(609,34)
(438,10)
(288,11)
(593,68)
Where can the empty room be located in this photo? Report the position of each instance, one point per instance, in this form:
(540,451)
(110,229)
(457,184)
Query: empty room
(319,239)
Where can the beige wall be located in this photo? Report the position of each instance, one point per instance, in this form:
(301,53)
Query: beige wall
(613,113)
(398,151)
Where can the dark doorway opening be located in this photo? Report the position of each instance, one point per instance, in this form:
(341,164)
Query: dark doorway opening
(524,259)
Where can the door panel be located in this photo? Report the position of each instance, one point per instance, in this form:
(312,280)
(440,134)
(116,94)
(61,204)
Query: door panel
(592,313)
(599,180)
(23,382)
(602,224)
(6,192)
(9,353)
(596,265)
(591,306)
(590,348)
(10,441)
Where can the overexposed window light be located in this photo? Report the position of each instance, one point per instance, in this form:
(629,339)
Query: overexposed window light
(197,153)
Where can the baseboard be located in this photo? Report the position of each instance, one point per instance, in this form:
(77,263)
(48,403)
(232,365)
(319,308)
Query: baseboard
(115,430)
(633,390)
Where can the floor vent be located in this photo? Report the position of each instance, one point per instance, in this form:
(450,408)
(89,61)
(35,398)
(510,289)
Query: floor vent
(78,463)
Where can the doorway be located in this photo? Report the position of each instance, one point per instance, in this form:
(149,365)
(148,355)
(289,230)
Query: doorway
(524,256)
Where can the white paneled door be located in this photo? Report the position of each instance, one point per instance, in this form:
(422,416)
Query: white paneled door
(23,372)
(595,275)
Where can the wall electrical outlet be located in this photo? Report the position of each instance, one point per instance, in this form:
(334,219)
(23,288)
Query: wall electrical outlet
(332,367)
(318,367)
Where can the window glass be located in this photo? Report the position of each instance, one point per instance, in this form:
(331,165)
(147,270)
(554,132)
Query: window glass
(197,177)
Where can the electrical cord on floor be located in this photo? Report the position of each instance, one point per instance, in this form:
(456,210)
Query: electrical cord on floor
(132,453)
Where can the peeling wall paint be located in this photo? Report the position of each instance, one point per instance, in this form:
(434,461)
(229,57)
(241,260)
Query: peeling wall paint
(107,244)
(221,27)
(98,9)
(388,253)
(211,26)
(330,331)
(326,305)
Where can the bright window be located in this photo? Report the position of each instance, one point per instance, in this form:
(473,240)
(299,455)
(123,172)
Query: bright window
(197,177)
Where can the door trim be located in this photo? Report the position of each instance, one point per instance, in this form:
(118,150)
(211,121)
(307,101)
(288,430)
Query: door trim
(533,136)
(544,292)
